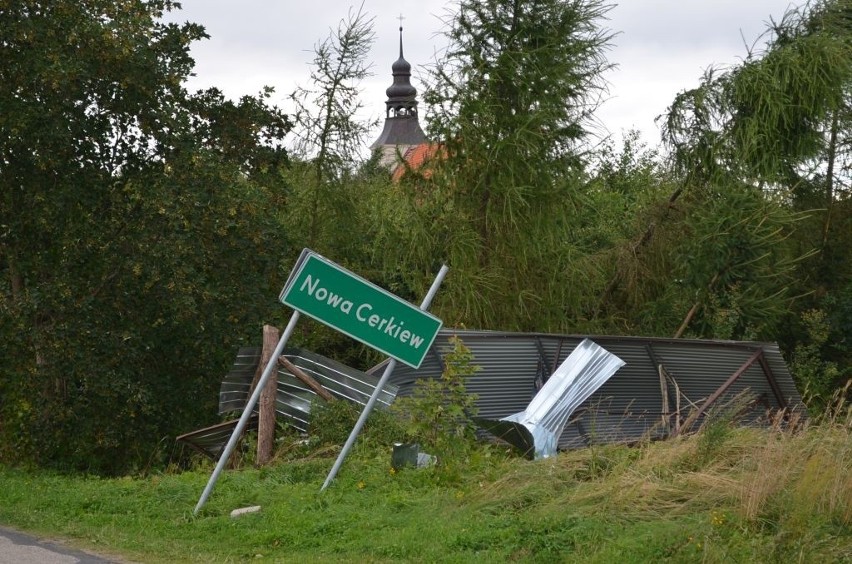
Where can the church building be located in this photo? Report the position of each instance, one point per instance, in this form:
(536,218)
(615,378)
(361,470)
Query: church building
(402,133)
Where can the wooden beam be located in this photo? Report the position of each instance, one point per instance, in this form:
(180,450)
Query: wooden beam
(773,383)
(307,380)
(721,390)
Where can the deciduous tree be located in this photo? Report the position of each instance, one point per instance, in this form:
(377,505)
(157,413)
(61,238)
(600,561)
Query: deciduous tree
(134,236)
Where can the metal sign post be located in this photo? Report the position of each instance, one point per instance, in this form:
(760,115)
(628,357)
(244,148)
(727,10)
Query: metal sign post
(241,425)
(346,302)
(382,381)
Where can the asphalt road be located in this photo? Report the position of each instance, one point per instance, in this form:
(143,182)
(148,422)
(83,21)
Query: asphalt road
(20,548)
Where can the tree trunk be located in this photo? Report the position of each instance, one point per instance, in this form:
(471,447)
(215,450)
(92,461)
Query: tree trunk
(17,280)
(829,177)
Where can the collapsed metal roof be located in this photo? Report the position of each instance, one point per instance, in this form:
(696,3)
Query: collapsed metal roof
(665,387)
(293,398)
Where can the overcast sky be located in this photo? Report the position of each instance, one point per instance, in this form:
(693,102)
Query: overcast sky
(661,47)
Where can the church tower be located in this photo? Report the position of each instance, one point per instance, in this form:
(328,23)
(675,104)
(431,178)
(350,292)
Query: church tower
(402,127)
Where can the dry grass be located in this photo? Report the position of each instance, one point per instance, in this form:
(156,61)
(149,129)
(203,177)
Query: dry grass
(767,473)
(787,475)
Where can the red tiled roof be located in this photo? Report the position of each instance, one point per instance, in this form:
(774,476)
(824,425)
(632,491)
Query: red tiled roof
(416,158)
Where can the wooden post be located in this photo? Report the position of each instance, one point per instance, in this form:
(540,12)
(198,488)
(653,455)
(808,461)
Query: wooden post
(266,422)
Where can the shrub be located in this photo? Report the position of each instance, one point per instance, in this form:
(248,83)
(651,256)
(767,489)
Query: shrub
(332,422)
(439,413)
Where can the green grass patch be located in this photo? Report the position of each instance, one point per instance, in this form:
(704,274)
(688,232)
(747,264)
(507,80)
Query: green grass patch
(755,496)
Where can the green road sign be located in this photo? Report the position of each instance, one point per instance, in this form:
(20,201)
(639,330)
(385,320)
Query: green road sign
(346,302)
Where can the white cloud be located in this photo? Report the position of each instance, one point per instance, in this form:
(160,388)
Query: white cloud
(661,46)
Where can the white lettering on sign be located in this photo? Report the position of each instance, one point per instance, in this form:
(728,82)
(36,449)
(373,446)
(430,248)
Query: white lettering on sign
(363,313)
(323,295)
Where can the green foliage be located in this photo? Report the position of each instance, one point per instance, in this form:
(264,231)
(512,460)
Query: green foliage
(780,120)
(439,412)
(718,266)
(247,133)
(329,138)
(770,119)
(332,423)
(508,105)
(329,135)
(518,81)
(755,232)
(134,233)
(627,194)
(716,432)
(739,256)
(763,495)
(815,376)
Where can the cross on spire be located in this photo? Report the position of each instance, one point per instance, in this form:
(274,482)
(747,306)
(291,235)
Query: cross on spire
(400,18)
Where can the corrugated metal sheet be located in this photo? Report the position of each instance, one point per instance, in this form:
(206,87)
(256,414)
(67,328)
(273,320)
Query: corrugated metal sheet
(211,441)
(536,429)
(630,405)
(293,398)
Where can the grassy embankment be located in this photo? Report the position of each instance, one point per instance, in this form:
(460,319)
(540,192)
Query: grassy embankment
(723,495)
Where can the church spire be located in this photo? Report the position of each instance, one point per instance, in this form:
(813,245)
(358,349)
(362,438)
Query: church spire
(402,128)
(402,96)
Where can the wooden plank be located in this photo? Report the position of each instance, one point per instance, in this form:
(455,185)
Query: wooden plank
(307,380)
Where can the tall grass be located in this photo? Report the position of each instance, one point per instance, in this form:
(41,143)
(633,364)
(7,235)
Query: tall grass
(725,494)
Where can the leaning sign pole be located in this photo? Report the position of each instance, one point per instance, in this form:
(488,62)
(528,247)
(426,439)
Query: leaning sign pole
(382,381)
(241,424)
(352,305)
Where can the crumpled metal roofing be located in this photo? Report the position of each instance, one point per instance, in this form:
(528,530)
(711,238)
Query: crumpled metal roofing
(536,429)
(293,398)
(662,383)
